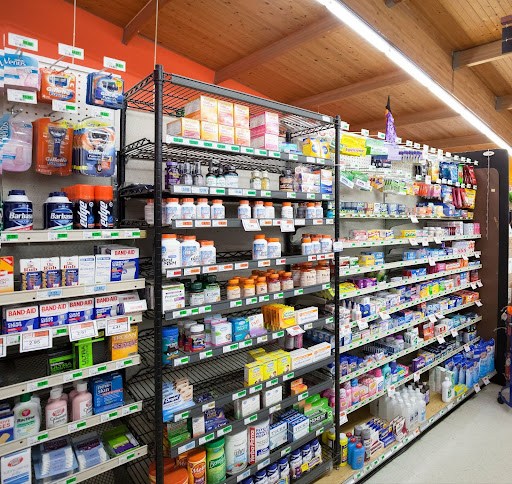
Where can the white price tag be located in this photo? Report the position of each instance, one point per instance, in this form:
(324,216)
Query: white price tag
(63,106)
(466,348)
(440,339)
(478,254)
(70,51)
(343,418)
(287,226)
(431,261)
(391,390)
(413,241)
(95,289)
(362,325)
(428,180)
(465,257)
(384,315)
(479,283)
(19,96)
(103,113)
(337,246)
(78,331)
(117,326)
(432,318)
(454,333)
(486,381)
(251,225)
(417,376)
(23,42)
(117,64)
(40,339)
(476,386)
(437,240)
(3,342)
(414,219)
(478,303)
(473,285)
(424,242)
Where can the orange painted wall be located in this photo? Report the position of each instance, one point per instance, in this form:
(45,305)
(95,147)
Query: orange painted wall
(51,22)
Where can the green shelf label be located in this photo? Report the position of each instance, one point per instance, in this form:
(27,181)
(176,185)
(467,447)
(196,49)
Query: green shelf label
(62,236)
(28,43)
(42,437)
(61,331)
(81,425)
(222,147)
(77,375)
(193,142)
(115,234)
(112,415)
(12,236)
(104,368)
(133,408)
(42,384)
(207,144)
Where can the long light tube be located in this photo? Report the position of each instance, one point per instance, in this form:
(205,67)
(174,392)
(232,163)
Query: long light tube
(356,23)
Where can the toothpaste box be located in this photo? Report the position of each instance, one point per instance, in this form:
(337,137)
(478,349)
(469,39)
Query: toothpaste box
(102,269)
(51,273)
(53,314)
(107,389)
(80,310)
(105,306)
(16,468)
(6,274)
(124,263)
(31,276)
(69,266)
(86,268)
(15,319)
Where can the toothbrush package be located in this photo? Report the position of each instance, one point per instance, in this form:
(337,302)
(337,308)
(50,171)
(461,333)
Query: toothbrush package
(16,142)
(53,142)
(104,89)
(94,150)
(56,85)
(54,460)
(89,450)
(21,71)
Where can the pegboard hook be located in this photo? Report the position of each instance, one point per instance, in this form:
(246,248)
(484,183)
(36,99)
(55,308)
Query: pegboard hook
(15,112)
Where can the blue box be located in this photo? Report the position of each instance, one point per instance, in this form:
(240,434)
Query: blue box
(107,389)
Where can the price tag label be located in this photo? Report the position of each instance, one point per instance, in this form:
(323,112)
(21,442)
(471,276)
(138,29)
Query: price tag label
(431,261)
(424,242)
(477,254)
(414,219)
(478,303)
(22,42)
(362,325)
(486,381)
(78,331)
(117,326)
(479,283)
(337,246)
(3,344)
(70,51)
(432,318)
(343,417)
(476,386)
(454,333)
(417,376)
(76,426)
(18,96)
(287,225)
(302,396)
(228,348)
(384,315)
(95,289)
(40,339)
(381,135)
(437,240)
(116,64)
(440,339)
(413,241)
(391,390)
(63,106)
(251,225)
(473,285)
(466,348)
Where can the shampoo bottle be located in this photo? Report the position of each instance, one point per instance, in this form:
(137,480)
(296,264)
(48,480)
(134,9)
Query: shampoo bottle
(343,449)
(56,409)
(350,450)
(386,373)
(27,417)
(81,406)
(358,457)
(447,392)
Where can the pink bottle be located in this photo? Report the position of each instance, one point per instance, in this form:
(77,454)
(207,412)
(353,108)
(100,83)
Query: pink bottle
(56,409)
(73,392)
(355,391)
(81,406)
(63,396)
(343,400)
(348,391)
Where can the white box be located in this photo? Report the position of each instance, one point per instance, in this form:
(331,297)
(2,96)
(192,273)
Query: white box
(321,351)
(125,263)
(246,406)
(306,315)
(173,297)
(102,269)
(69,266)
(272,396)
(105,306)
(278,434)
(50,272)
(16,468)
(301,358)
(25,318)
(86,268)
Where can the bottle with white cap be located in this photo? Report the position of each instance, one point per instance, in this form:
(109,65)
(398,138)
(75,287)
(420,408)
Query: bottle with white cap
(56,409)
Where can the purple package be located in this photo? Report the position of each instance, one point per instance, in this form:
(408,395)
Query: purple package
(418,363)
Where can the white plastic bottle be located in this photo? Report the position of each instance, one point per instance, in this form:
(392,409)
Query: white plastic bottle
(270,211)
(218,210)
(316,247)
(27,417)
(259,247)
(171,252)
(190,251)
(188,209)
(326,243)
(447,392)
(82,406)
(203,211)
(149,212)
(273,248)
(207,253)
(258,210)
(287,210)
(319,210)
(172,210)
(306,247)
(244,209)
(422,410)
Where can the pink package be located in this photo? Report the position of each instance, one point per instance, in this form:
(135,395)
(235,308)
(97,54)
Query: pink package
(266,142)
(262,130)
(268,121)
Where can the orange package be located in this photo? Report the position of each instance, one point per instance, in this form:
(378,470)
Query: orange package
(53,147)
(56,85)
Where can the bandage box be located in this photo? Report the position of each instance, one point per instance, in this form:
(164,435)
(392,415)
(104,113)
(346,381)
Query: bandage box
(105,306)
(31,276)
(86,269)
(242,137)
(17,467)
(226,134)
(69,267)
(124,263)
(51,273)
(241,116)
(203,108)
(53,314)
(6,424)
(15,319)
(6,274)
(102,269)
(186,127)
(225,113)
(80,310)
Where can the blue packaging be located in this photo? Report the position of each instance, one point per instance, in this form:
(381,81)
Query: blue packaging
(125,263)
(18,214)
(105,306)
(241,336)
(239,325)
(103,89)
(51,273)
(53,314)
(31,275)
(107,389)
(80,310)
(170,343)
(15,319)
(58,212)
(69,267)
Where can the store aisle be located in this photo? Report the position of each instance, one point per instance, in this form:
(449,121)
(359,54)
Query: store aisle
(469,446)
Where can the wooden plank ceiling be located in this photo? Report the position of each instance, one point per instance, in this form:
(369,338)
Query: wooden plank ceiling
(294,51)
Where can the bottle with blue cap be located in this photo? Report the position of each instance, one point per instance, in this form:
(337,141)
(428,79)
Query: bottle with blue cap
(58,212)
(18,214)
(261,477)
(272,474)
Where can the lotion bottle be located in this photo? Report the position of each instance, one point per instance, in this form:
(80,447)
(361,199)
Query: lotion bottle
(27,417)
(81,406)
(56,409)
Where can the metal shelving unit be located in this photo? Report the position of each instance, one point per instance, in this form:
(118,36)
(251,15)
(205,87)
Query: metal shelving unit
(218,370)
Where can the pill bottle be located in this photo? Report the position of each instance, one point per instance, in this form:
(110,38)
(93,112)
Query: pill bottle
(274,285)
(261,285)
(286,280)
(258,210)
(189,251)
(172,210)
(244,209)
(270,211)
(319,210)
(195,295)
(171,252)
(316,247)
(233,291)
(306,246)
(149,213)
(197,338)
(207,252)
(326,243)
(218,210)
(212,293)
(249,289)
(188,209)
(287,210)
(273,248)
(203,211)
(259,247)
(310,210)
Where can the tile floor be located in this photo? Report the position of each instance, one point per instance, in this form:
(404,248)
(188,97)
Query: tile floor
(471,445)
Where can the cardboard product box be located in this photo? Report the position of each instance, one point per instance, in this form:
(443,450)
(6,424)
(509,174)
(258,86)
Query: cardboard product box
(225,114)
(203,108)
(209,131)
(241,116)
(226,134)
(242,136)
(6,274)
(186,127)
(125,344)
(266,142)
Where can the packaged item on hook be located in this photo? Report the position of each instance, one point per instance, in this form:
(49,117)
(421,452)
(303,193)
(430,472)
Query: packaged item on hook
(57,85)
(53,143)
(21,70)
(105,89)
(16,134)
(94,151)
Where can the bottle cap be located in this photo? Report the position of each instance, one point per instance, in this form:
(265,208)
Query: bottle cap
(25,397)
(306,240)
(103,192)
(268,204)
(206,242)
(260,236)
(245,202)
(202,200)
(173,200)
(55,393)
(287,204)
(189,237)
(188,200)
(216,201)
(359,445)
(168,236)
(81,387)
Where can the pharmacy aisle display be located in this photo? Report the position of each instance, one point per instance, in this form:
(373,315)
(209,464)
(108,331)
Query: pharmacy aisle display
(233,375)
(408,340)
(70,291)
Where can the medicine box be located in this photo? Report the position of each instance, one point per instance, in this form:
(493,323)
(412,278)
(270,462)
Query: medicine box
(253,373)
(306,315)
(203,108)
(124,263)
(209,131)
(125,344)
(107,389)
(221,333)
(6,274)
(186,127)
(80,310)
(31,276)
(17,319)
(102,269)
(51,273)
(242,137)
(272,396)
(241,116)
(278,434)
(173,296)
(86,268)
(53,314)
(105,306)
(266,142)
(16,467)
(226,134)
(225,113)
(246,406)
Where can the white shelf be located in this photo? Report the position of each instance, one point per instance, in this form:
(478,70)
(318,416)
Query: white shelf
(70,428)
(349,244)
(49,236)
(66,377)
(38,295)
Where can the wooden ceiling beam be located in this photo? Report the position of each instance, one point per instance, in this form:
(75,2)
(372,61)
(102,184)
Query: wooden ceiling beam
(503,102)
(477,55)
(279,47)
(406,120)
(458,141)
(135,25)
(361,87)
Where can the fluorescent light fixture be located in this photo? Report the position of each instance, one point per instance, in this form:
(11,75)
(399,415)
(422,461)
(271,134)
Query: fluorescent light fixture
(356,23)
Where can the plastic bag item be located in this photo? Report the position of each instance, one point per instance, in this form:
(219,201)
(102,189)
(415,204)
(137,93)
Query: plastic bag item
(53,147)
(16,133)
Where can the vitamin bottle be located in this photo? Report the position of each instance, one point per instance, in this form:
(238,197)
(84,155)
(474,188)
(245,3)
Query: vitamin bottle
(259,247)
(244,209)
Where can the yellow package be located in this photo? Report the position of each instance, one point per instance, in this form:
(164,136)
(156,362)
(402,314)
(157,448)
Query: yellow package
(311,147)
(325,149)
(241,116)
(350,145)
(6,274)
(125,344)
(243,136)
(226,134)
(284,362)
(225,113)
(373,234)
(253,373)
(209,131)
(186,127)
(253,354)
(203,108)
(268,366)
(468,198)
(366,260)
(408,234)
